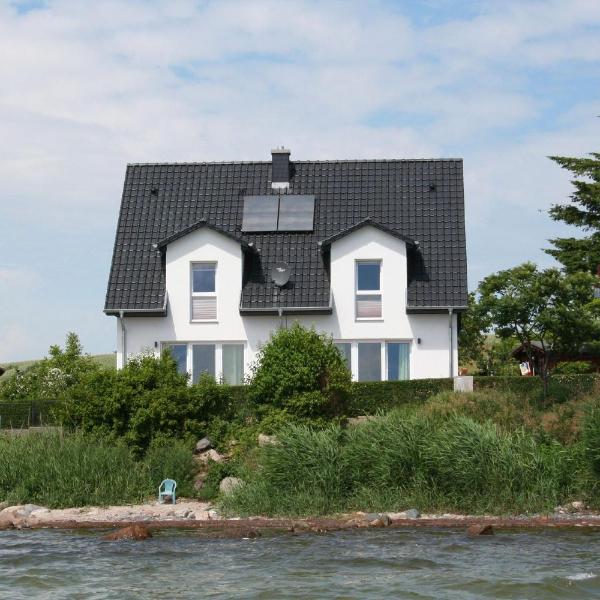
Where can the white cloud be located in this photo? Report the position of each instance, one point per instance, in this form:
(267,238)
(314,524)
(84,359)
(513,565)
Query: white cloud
(88,87)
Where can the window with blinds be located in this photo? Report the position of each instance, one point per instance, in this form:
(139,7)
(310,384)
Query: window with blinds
(368,289)
(203,296)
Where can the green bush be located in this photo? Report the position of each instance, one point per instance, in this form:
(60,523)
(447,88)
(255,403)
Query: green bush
(573,367)
(301,371)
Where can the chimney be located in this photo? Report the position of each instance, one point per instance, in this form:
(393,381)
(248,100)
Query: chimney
(280,168)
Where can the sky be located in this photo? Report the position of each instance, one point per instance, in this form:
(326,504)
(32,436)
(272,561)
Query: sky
(87,87)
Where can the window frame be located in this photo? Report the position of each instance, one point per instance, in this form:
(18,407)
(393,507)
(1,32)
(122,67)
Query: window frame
(194,294)
(383,342)
(367,293)
(218,355)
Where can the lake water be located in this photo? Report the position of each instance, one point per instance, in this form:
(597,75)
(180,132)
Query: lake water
(384,563)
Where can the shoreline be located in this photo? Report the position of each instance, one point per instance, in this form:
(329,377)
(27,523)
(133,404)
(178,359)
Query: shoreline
(202,518)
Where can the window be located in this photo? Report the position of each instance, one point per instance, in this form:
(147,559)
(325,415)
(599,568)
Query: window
(203,360)
(398,360)
(368,289)
(204,299)
(346,352)
(233,364)
(369,361)
(179,353)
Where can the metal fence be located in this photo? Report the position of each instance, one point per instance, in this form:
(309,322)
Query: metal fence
(21,415)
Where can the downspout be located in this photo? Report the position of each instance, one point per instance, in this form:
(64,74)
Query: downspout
(450,325)
(123,337)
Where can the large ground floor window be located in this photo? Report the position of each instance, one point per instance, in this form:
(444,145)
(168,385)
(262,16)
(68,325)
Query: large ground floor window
(376,360)
(223,360)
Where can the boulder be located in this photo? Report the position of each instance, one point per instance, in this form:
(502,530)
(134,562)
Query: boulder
(133,532)
(577,506)
(266,440)
(480,529)
(229,484)
(202,445)
(209,455)
(213,514)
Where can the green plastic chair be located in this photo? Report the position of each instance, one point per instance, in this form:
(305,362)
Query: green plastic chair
(167,488)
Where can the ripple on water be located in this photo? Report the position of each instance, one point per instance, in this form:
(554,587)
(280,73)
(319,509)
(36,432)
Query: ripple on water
(414,564)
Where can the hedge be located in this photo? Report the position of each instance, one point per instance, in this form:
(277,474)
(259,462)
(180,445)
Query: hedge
(366,397)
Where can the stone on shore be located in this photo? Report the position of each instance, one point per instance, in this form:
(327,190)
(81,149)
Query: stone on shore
(204,444)
(229,484)
(132,532)
(210,455)
(480,529)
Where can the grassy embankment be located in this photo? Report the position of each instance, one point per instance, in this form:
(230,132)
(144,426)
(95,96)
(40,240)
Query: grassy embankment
(483,453)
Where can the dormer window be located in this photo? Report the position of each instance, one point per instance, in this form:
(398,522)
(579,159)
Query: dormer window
(368,289)
(203,297)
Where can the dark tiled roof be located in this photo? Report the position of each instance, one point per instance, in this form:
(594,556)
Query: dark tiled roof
(422,200)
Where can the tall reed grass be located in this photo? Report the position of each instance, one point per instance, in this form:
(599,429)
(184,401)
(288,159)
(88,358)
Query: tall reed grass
(76,470)
(406,459)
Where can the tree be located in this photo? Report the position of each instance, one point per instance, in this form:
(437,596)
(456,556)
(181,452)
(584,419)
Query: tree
(584,211)
(557,310)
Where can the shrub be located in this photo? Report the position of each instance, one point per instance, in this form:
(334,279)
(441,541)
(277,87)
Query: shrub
(302,371)
(573,367)
(51,377)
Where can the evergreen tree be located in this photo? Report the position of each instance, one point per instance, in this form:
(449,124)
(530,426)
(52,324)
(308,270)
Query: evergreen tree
(583,211)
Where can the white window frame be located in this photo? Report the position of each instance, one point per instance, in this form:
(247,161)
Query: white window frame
(367,293)
(203,294)
(218,354)
(384,358)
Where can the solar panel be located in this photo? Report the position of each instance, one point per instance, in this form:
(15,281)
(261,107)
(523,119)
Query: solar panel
(296,213)
(260,213)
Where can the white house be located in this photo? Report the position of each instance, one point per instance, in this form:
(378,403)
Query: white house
(211,258)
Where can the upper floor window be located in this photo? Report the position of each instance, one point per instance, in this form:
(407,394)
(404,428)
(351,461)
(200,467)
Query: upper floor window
(368,289)
(204,298)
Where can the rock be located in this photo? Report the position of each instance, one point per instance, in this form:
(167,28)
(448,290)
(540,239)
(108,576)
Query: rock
(299,526)
(209,455)
(213,514)
(480,529)
(577,506)
(198,483)
(267,440)
(204,444)
(133,532)
(229,484)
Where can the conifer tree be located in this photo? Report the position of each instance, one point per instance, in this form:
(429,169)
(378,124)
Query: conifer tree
(580,254)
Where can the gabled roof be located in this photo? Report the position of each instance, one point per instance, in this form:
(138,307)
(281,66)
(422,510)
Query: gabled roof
(162,244)
(419,199)
(368,222)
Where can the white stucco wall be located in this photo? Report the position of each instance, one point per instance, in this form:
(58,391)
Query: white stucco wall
(430,358)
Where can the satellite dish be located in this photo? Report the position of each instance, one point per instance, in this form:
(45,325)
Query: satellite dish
(280,274)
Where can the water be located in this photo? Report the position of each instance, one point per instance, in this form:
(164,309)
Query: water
(388,563)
